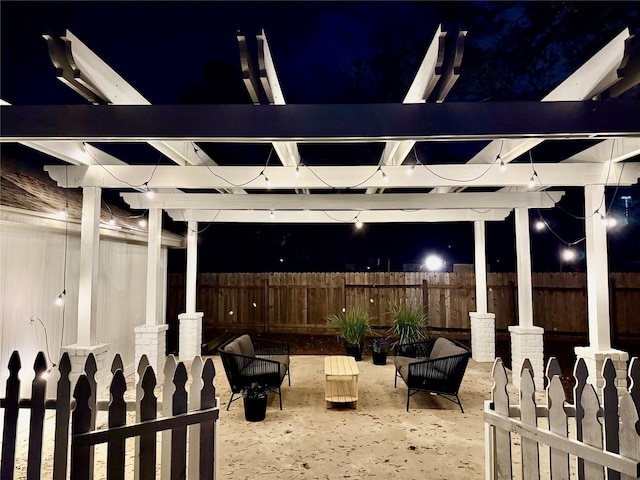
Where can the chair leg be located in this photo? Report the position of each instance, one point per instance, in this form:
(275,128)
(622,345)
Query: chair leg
(395,379)
(280,396)
(230,400)
(289,375)
(459,403)
(408,397)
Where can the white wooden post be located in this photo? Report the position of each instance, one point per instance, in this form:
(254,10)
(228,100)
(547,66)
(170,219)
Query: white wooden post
(190,338)
(150,338)
(599,348)
(526,339)
(86,339)
(483,324)
(89,257)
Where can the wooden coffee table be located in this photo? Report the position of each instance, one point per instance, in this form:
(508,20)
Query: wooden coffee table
(340,380)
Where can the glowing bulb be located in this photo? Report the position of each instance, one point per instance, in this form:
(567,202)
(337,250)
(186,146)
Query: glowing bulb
(60,300)
(344,309)
(539,225)
(64,213)
(503,167)
(267,181)
(297,172)
(371,300)
(45,375)
(568,255)
(230,312)
(358,224)
(142,222)
(385,178)
(255,305)
(531,183)
(272,215)
(434,263)
(112,221)
(411,169)
(612,222)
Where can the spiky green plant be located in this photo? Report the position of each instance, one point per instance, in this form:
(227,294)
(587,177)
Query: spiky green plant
(352,324)
(409,323)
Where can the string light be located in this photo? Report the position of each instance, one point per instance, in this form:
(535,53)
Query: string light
(60,300)
(266,180)
(385,178)
(503,167)
(568,255)
(64,213)
(540,225)
(149,193)
(358,223)
(411,169)
(532,180)
(297,172)
(112,221)
(272,215)
(142,222)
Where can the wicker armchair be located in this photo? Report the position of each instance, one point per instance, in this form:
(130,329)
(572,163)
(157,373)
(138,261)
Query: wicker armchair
(247,360)
(435,366)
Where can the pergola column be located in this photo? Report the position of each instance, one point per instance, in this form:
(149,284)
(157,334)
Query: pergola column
(191,321)
(526,339)
(86,341)
(150,338)
(483,324)
(599,348)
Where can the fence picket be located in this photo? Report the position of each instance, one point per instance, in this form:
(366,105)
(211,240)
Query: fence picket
(553,368)
(117,417)
(90,370)
(148,411)
(500,399)
(194,430)
(558,461)
(580,373)
(207,429)
(142,365)
(12,396)
(591,431)
(81,460)
(629,428)
(610,406)
(167,407)
(179,434)
(63,413)
(634,376)
(117,364)
(530,459)
(36,421)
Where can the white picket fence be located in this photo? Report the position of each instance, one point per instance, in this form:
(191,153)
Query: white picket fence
(584,439)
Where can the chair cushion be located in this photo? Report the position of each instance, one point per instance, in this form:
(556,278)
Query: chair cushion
(246,346)
(233,347)
(402,364)
(445,348)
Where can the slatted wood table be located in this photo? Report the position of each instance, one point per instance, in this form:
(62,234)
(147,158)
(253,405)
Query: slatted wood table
(340,380)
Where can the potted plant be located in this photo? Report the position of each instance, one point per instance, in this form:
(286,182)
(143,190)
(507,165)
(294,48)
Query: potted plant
(380,346)
(409,323)
(255,402)
(353,326)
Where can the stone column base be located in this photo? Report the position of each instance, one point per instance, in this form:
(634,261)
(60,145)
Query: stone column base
(78,355)
(483,336)
(151,340)
(190,336)
(527,342)
(595,360)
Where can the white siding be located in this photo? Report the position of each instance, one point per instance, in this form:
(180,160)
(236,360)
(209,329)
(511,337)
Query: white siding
(31,277)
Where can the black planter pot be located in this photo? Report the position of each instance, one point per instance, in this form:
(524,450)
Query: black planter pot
(255,409)
(379,358)
(354,350)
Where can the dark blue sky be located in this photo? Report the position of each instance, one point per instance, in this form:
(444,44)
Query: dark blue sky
(329,52)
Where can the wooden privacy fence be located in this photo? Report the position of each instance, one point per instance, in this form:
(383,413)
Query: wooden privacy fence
(196,412)
(301,302)
(603,439)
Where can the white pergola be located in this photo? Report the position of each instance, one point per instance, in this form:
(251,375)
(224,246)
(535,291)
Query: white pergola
(567,113)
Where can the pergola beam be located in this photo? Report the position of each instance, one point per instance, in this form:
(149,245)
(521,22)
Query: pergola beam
(321,123)
(360,177)
(357,202)
(340,216)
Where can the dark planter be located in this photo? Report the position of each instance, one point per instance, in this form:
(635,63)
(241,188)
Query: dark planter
(379,358)
(255,409)
(354,350)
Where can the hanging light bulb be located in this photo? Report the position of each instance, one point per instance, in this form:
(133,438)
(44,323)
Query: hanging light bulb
(297,172)
(539,225)
(385,178)
(603,219)
(142,222)
(503,167)
(112,221)
(411,169)
(267,181)
(64,213)
(358,223)
(568,255)
(60,300)
(532,181)
(149,193)
(272,215)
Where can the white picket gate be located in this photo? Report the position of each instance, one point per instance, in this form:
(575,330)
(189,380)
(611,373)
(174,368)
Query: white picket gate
(582,439)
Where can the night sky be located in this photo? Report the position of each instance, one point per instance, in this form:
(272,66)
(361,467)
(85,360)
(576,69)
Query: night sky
(332,52)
